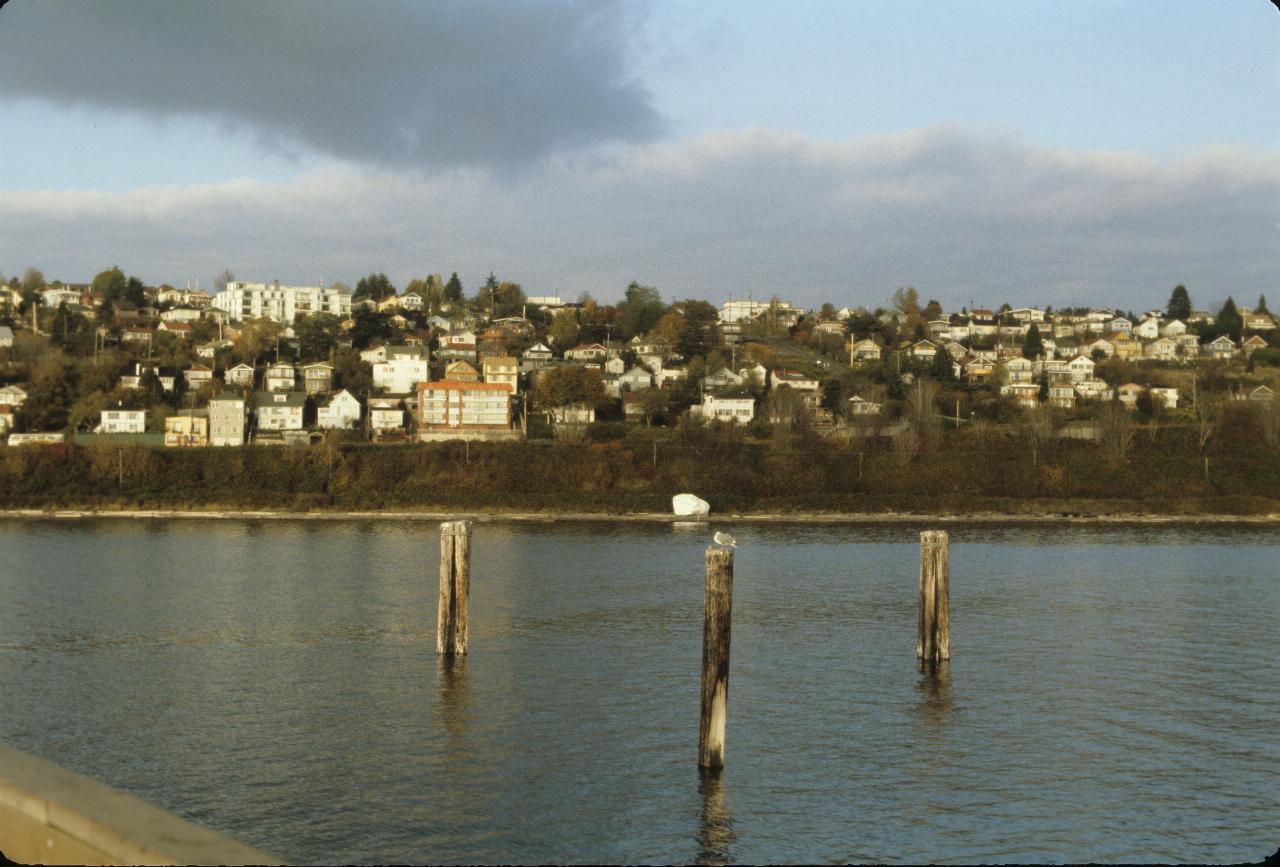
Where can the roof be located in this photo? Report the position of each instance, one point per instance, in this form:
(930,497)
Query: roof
(292,399)
(226,395)
(464,386)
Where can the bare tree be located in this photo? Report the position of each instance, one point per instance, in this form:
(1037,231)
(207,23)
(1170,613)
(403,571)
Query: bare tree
(922,414)
(1207,412)
(1268,414)
(220,282)
(906,445)
(1116,432)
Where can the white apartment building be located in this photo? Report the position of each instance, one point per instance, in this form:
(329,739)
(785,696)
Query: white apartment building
(226,420)
(746,311)
(736,409)
(278,302)
(400,374)
(464,406)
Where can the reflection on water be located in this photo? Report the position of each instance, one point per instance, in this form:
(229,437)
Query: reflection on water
(294,698)
(715,822)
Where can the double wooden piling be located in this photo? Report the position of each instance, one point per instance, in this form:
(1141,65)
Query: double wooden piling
(933,640)
(717,617)
(455,587)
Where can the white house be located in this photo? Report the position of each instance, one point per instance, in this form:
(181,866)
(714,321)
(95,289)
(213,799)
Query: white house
(1080,368)
(122,421)
(635,379)
(1147,329)
(280,377)
(1166,397)
(1174,328)
(400,373)
(738,409)
(279,410)
(386,414)
(241,374)
(340,412)
(12,395)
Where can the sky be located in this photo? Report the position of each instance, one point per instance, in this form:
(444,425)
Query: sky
(1060,153)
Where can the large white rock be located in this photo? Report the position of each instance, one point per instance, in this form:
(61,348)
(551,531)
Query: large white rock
(688,504)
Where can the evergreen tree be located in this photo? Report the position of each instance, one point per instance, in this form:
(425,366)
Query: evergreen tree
(1033,345)
(1230,322)
(1179,303)
(375,286)
(453,289)
(1262,305)
(942,369)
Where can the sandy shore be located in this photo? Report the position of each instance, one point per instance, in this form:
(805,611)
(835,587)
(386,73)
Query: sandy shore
(637,517)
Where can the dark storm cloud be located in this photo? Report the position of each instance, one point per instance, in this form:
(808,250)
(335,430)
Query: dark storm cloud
(499,83)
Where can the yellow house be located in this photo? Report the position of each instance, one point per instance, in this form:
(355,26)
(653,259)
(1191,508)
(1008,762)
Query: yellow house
(502,368)
(1127,346)
(191,428)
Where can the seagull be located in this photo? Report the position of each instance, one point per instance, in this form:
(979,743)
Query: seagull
(725,540)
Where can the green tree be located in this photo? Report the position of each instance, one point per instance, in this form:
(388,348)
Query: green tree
(1229,320)
(1262,305)
(317,335)
(941,369)
(564,328)
(1033,345)
(32,280)
(134,292)
(370,328)
(220,282)
(453,289)
(375,286)
(565,386)
(110,284)
(639,311)
(700,331)
(1179,306)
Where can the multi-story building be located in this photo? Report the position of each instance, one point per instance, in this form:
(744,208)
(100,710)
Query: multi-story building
(279,410)
(317,377)
(122,421)
(464,407)
(502,368)
(188,428)
(278,302)
(226,420)
(340,412)
(402,370)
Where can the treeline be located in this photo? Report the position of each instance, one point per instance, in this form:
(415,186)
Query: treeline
(973,471)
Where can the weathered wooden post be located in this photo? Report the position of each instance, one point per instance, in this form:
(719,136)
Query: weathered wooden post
(455,587)
(717,617)
(933,640)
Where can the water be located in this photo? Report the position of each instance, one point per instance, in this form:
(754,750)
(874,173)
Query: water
(1112,695)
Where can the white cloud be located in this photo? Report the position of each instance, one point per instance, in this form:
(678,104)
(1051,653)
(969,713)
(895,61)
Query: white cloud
(959,214)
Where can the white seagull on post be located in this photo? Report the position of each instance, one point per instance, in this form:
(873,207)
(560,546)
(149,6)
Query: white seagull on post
(724,540)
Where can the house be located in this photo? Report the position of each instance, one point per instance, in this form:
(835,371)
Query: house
(1120,325)
(796,380)
(1161,349)
(1102,347)
(635,379)
(374,354)
(1251,343)
(1188,344)
(279,410)
(412,300)
(978,370)
(1262,393)
(190,428)
(1016,370)
(458,344)
(197,376)
(7,413)
(1080,368)
(1027,394)
(226,420)
(592,352)
(115,421)
(722,378)
(1125,344)
(12,395)
(1027,315)
(754,376)
(339,412)
(537,356)
(615,365)
(957,351)
(864,350)
(501,368)
(386,415)
(38,438)
(1174,328)
(210,349)
(402,370)
(737,408)
(463,408)
(923,350)
(1221,348)
(180,330)
(1063,396)
(280,377)
(633,403)
(182,314)
(460,371)
(241,374)
(861,407)
(317,377)
(167,376)
(136,334)
(669,375)
(1093,389)
(59,295)
(1165,397)
(1128,394)
(1255,321)
(574,413)
(6,337)
(939,329)
(1147,329)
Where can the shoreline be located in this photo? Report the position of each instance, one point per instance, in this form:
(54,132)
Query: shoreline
(635,517)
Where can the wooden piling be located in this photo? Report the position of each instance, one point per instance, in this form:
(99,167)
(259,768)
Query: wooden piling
(933,638)
(455,588)
(717,618)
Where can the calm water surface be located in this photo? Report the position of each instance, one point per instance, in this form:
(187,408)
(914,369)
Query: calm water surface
(1113,695)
